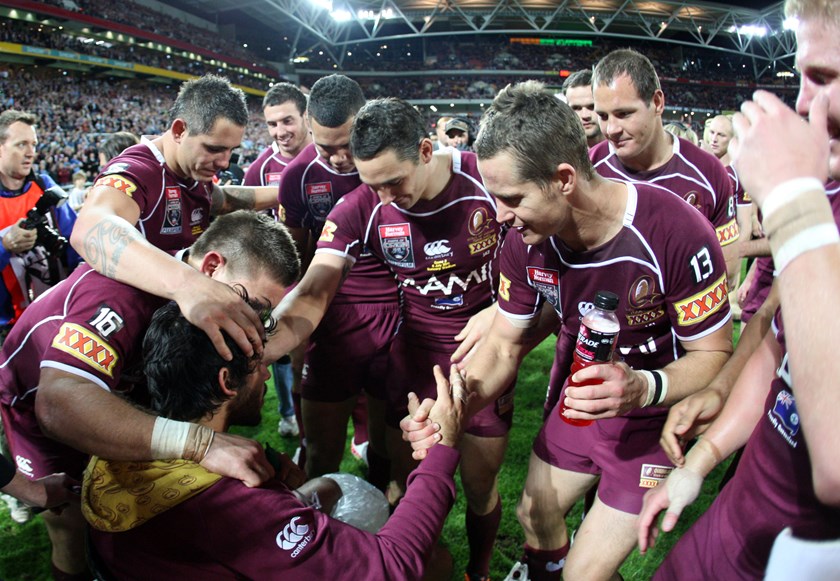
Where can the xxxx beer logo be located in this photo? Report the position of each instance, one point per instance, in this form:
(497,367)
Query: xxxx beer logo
(504,287)
(118,183)
(328,232)
(702,305)
(86,347)
(728,233)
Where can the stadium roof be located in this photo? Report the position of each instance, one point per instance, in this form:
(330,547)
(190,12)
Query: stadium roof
(754,29)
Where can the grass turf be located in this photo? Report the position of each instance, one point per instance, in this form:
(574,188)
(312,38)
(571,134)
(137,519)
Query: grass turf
(24,549)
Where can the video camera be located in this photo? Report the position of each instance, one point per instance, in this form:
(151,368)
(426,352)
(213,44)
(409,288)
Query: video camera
(36,218)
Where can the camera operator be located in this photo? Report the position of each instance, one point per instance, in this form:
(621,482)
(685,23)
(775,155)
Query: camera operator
(35,221)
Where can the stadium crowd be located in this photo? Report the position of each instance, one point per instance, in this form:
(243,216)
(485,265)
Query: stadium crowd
(405,266)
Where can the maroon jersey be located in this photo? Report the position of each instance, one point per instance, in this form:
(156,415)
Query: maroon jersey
(742,198)
(267,168)
(665,266)
(174,211)
(89,326)
(308,191)
(277,536)
(694,175)
(441,250)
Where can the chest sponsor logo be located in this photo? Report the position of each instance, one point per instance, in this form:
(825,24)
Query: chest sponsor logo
(504,287)
(87,347)
(453,282)
(437,249)
(440,265)
(106,321)
(652,474)
(172,213)
(24,464)
(448,303)
(272,178)
(328,231)
(641,302)
(120,183)
(785,418)
(728,233)
(547,283)
(196,216)
(698,308)
(396,244)
(319,198)
(294,537)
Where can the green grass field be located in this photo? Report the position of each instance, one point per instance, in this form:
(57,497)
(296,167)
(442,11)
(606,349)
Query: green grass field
(24,549)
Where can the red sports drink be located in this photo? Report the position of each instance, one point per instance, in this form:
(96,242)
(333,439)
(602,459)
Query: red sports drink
(596,342)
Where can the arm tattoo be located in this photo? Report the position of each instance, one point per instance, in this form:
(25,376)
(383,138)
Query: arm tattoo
(235,198)
(104,246)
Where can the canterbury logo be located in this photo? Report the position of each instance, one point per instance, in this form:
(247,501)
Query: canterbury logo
(294,537)
(437,248)
(86,347)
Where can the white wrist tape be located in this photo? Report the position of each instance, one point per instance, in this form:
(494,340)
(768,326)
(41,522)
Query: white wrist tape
(172,439)
(807,240)
(786,193)
(657,384)
(651,387)
(169,438)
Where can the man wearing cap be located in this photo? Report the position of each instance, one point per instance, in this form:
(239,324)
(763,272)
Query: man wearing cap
(458,132)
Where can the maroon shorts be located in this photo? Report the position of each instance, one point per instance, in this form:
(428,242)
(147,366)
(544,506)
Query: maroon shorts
(410,370)
(759,290)
(625,452)
(35,455)
(348,352)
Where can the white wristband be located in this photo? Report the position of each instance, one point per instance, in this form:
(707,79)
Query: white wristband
(807,240)
(786,192)
(657,384)
(651,387)
(169,438)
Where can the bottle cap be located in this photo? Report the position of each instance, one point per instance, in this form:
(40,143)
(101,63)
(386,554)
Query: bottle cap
(606,300)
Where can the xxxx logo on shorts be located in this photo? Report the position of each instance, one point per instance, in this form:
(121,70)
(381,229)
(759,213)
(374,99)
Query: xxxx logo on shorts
(87,347)
(117,182)
(699,307)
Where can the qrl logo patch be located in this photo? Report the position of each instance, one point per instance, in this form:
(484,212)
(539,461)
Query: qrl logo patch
(172,217)
(547,282)
(319,198)
(87,347)
(328,232)
(396,244)
(652,474)
(273,178)
(728,233)
(118,183)
(704,304)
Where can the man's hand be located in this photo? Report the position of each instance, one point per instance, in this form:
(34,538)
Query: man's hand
(238,457)
(418,429)
(18,239)
(618,390)
(290,473)
(450,408)
(773,144)
(687,420)
(213,306)
(472,334)
(678,491)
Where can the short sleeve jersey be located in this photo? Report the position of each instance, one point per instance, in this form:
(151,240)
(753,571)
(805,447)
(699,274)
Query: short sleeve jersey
(742,198)
(441,251)
(308,191)
(267,168)
(664,264)
(88,325)
(174,211)
(695,175)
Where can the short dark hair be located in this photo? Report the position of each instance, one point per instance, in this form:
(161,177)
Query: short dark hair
(334,99)
(182,365)
(116,143)
(578,79)
(384,124)
(11,116)
(202,101)
(251,243)
(628,62)
(283,93)
(537,129)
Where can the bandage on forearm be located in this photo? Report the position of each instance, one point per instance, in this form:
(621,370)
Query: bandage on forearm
(798,219)
(172,439)
(703,457)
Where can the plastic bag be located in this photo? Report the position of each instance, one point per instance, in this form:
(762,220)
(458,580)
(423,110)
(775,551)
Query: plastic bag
(361,505)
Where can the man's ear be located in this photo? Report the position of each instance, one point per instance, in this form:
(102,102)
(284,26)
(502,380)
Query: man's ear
(178,129)
(224,375)
(659,101)
(212,262)
(427,150)
(564,179)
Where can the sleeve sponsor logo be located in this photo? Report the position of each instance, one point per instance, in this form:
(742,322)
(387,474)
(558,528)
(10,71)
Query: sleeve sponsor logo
(116,168)
(704,304)
(117,182)
(87,347)
(504,287)
(328,232)
(728,233)
(652,474)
